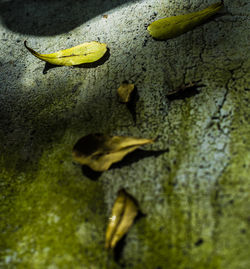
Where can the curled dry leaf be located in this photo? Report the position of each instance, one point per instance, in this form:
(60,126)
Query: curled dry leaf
(124,211)
(100,151)
(88,52)
(174,26)
(124,92)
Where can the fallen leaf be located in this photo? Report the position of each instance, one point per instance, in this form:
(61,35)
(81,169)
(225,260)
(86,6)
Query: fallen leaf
(176,25)
(100,151)
(124,211)
(185,87)
(88,52)
(124,92)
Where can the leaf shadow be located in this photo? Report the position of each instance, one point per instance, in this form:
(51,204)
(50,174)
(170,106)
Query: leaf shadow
(183,94)
(126,161)
(131,105)
(49,66)
(91,174)
(185,91)
(95,64)
(136,156)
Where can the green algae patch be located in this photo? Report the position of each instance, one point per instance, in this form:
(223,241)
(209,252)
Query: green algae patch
(167,243)
(231,199)
(56,217)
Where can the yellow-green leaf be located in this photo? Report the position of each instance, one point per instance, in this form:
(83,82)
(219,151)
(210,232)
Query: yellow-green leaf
(88,52)
(174,26)
(124,211)
(124,92)
(100,151)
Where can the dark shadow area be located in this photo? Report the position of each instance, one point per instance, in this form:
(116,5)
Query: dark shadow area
(52,17)
(136,156)
(95,64)
(49,66)
(183,95)
(131,105)
(185,91)
(91,174)
(199,242)
(118,250)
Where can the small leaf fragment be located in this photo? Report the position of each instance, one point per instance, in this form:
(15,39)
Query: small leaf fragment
(88,52)
(176,25)
(124,92)
(185,87)
(99,151)
(124,211)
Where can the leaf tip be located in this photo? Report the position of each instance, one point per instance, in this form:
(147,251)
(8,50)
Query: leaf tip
(25,44)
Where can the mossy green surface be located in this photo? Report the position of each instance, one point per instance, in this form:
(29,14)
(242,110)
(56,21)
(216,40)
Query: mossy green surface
(53,216)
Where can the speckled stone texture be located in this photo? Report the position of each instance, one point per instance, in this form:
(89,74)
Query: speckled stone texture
(193,183)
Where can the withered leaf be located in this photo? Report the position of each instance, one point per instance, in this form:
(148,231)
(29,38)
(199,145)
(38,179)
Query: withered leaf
(124,92)
(185,87)
(176,25)
(88,52)
(100,151)
(124,211)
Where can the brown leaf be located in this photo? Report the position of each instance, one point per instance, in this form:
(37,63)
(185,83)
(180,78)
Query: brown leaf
(124,211)
(100,151)
(124,92)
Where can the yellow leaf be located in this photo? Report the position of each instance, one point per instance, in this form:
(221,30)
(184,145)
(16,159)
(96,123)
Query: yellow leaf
(100,151)
(174,26)
(124,92)
(124,211)
(88,52)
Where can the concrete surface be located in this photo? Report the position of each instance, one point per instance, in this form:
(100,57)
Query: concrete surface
(195,194)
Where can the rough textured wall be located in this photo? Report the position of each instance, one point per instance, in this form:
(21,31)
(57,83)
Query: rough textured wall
(195,194)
